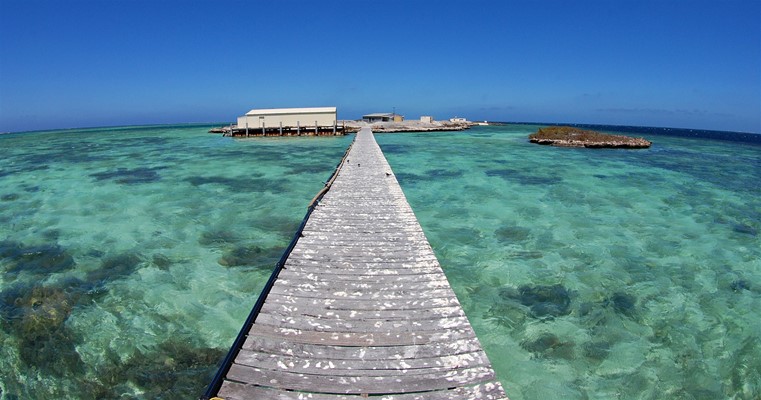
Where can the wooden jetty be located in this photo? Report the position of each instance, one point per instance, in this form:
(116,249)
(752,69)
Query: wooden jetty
(358,306)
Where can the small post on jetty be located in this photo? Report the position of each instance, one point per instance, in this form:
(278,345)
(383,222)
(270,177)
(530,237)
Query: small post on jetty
(316,129)
(335,125)
(246,129)
(298,128)
(281,128)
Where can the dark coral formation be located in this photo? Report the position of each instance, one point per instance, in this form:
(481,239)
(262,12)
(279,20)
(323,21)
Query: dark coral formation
(43,259)
(250,256)
(542,300)
(523,177)
(739,285)
(549,345)
(37,315)
(623,303)
(115,267)
(510,233)
(130,176)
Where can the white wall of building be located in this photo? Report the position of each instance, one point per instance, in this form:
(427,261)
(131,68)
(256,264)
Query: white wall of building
(304,117)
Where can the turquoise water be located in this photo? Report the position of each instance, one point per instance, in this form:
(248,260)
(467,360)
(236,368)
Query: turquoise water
(598,274)
(130,257)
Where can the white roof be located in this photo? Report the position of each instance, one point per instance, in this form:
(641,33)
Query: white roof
(309,110)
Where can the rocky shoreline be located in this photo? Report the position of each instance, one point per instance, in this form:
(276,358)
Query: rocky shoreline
(566,136)
(408,126)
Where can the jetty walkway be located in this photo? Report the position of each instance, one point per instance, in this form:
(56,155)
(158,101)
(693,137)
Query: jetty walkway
(358,306)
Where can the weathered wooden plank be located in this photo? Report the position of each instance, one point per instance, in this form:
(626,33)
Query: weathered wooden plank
(364,367)
(305,323)
(367,273)
(366,304)
(381,284)
(363,241)
(358,384)
(284,347)
(320,311)
(361,338)
(366,264)
(327,293)
(239,391)
(362,256)
(365,245)
(301,275)
(365,250)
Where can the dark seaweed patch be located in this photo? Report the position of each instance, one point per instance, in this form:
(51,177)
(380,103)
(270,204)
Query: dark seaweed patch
(739,285)
(51,234)
(217,238)
(9,248)
(394,149)
(72,153)
(43,259)
(283,226)
(597,350)
(161,261)
(523,178)
(240,185)
(623,303)
(443,173)
(309,168)
(549,345)
(745,229)
(143,140)
(250,256)
(408,178)
(526,255)
(130,176)
(37,316)
(542,300)
(9,197)
(512,233)
(174,370)
(115,267)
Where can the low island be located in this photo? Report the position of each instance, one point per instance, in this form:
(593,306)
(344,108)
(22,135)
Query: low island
(566,136)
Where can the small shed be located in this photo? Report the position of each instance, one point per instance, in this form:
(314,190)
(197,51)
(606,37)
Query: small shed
(427,119)
(378,117)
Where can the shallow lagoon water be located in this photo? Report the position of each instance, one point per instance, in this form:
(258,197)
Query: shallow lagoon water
(598,274)
(131,256)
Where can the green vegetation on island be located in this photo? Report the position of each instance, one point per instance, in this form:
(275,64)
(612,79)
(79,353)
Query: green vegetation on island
(566,136)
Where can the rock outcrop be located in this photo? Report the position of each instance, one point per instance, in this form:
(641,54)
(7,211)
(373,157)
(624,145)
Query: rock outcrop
(408,126)
(566,136)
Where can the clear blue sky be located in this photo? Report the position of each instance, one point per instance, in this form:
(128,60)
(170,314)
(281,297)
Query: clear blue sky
(669,63)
